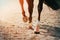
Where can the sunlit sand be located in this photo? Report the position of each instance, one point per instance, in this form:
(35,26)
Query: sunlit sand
(12,26)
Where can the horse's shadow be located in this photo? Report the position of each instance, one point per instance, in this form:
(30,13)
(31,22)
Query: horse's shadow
(52,31)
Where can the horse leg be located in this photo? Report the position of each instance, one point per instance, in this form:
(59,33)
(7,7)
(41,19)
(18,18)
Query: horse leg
(30,9)
(23,12)
(40,7)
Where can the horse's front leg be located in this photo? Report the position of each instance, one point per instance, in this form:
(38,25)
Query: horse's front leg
(40,7)
(30,9)
(23,12)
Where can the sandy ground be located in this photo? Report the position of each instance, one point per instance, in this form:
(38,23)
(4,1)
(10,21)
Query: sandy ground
(13,28)
(10,31)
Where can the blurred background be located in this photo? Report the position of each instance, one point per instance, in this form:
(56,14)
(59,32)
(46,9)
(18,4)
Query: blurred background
(10,11)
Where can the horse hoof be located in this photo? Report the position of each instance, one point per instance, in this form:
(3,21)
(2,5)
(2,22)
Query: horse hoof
(25,18)
(30,27)
(36,32)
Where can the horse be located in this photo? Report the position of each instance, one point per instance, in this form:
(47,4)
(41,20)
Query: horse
(50,3)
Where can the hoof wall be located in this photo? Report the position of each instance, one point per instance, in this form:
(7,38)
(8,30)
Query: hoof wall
(37,32)
(25,19)
(31,28)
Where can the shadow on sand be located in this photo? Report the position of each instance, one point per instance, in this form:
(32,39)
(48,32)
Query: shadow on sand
(52,31)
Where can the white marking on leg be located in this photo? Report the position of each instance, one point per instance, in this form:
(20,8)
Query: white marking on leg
(37,27)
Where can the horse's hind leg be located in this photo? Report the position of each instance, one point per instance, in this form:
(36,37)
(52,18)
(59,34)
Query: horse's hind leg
(40,7)
(23,12)
(30,9)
